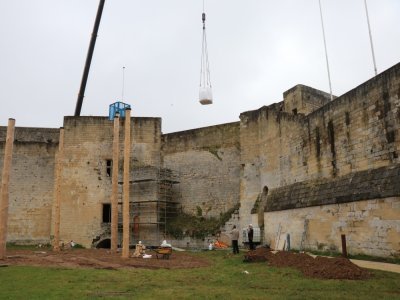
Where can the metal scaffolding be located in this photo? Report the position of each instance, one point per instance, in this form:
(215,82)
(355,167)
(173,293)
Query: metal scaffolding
(154,201)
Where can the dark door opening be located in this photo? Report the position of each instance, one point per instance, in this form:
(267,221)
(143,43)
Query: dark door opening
(104,244)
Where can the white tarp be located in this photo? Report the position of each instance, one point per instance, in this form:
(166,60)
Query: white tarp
(205,95)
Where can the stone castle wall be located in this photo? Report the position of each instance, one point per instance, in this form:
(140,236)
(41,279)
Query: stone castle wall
(31,183)
(371,227)
(364,205)
(207,160)
(358,131)
(303,158)
(86,186)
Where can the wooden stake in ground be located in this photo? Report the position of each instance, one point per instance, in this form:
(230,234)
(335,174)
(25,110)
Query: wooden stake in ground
(114,195)
(57,194)
(4,187)
(125,208)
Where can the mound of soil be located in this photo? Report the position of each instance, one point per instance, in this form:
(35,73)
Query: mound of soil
(100,259)
(319,267)
(258,255)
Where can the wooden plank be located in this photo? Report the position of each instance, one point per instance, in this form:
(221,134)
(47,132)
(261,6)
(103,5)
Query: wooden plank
(5,185)
(114,195)
(125,204)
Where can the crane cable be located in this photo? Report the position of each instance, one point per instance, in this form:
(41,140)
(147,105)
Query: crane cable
(370,38)
(205,80)
(326,51)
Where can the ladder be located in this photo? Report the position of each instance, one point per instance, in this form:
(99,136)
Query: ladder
(304,236)
(278,236)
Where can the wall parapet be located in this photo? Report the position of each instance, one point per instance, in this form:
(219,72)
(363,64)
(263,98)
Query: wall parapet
(206,138)
(32,135)
(363,185)
(383,81)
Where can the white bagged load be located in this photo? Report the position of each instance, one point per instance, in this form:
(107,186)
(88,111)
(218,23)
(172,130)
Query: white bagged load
(205,95)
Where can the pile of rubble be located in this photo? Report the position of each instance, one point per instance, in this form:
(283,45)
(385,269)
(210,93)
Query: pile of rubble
(318,267)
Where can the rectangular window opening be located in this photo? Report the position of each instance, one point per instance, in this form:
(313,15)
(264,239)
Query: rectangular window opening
(109,167)
(106,213)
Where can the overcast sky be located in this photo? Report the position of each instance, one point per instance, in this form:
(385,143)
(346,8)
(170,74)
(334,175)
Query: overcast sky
(257,50)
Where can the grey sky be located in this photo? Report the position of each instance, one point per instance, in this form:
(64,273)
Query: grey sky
(257,49)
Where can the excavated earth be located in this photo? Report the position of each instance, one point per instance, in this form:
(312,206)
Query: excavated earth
(99,259)
(318,267)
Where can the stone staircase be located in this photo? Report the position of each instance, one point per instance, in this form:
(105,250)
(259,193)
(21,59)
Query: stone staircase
(227,228)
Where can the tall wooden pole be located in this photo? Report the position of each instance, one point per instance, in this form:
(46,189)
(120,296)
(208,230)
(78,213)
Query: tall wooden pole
(57,194)
(4,187)
(125,209)
(344,248)
(114,196)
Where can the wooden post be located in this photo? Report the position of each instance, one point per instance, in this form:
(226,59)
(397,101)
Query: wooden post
(114,196)
(4,187)
(125,209)
(344,248)
(57,193)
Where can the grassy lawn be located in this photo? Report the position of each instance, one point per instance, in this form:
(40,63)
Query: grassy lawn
(225,279)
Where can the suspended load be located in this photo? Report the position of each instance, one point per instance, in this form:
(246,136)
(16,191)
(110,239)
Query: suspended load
(205,93)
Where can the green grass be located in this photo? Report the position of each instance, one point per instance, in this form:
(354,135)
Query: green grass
(27,247)
(224,279)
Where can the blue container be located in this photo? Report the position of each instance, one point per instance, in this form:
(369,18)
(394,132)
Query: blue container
(117,107)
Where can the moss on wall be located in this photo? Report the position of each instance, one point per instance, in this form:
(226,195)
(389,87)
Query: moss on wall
(213,150)
(197,226)
(256,205)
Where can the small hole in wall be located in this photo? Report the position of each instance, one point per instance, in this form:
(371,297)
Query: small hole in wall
(265,189)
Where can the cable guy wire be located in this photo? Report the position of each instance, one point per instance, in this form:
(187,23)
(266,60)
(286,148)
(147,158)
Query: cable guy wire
(123,84)
(326,51)
(370,38)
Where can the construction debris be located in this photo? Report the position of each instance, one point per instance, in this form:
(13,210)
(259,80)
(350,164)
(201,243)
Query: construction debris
(220,245)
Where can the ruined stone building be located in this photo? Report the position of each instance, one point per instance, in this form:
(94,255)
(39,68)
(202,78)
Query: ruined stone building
(306,166)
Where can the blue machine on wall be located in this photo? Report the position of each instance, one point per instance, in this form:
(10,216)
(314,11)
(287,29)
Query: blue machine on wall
(117,107)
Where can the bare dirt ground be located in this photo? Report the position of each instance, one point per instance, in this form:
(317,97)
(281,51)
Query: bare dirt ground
(318,267)
(99,259)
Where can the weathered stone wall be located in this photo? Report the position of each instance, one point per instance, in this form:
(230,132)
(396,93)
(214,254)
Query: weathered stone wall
(303,99)
(363,185)
(31,183)
(86,186)
(364,205)
(207,160)
(272,153)
(357,131)
(297,159)
(371,227)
